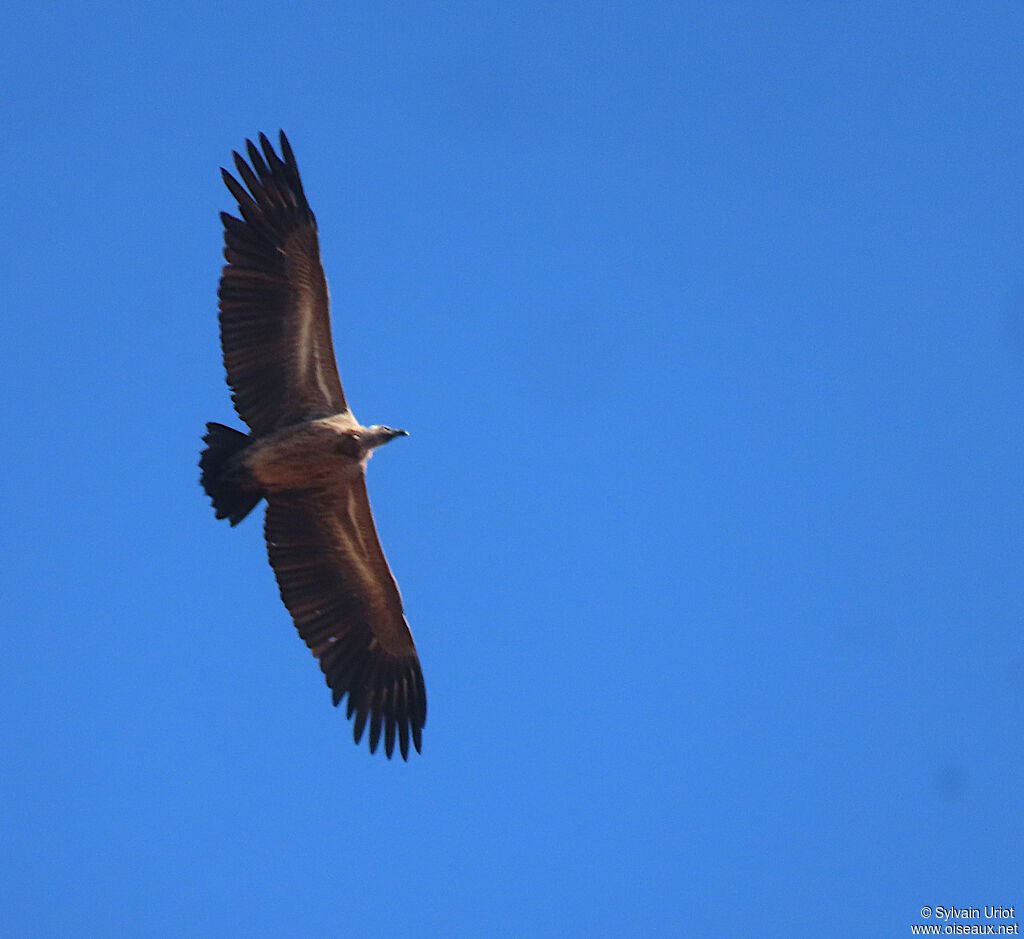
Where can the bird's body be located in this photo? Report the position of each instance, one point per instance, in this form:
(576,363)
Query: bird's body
(325,452)
(306,454)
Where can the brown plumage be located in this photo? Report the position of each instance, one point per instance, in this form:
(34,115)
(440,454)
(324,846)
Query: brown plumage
(306,454)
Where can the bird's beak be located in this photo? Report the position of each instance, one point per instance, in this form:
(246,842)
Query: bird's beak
(400,433)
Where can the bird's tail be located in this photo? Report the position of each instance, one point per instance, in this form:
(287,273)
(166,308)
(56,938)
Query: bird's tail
(220,476)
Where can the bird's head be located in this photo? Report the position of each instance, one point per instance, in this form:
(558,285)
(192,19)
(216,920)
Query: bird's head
(378,435)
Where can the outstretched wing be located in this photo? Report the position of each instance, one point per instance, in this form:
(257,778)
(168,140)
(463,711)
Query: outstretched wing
(338,587)
(274,311)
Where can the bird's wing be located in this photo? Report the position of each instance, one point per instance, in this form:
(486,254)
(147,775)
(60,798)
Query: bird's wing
(338,587)
(274,311)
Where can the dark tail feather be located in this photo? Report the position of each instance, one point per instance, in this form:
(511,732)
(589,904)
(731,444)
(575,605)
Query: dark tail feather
(220,478)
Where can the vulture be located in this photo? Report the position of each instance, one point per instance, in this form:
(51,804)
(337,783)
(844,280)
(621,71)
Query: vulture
(306,454)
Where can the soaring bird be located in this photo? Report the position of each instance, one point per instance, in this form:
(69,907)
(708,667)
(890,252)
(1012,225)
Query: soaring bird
(306,454)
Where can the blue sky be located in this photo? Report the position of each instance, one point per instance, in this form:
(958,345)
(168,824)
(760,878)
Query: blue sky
(708,325)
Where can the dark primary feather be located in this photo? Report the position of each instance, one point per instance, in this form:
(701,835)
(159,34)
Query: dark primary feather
(274,308)
(337,585)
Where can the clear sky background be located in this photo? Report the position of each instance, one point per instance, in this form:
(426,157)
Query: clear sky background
(707,321)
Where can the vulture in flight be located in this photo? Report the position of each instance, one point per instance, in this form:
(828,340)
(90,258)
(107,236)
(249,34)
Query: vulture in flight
(306,454)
